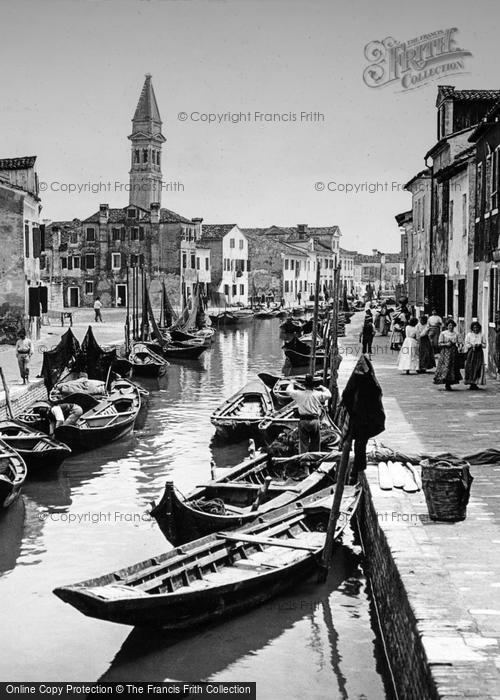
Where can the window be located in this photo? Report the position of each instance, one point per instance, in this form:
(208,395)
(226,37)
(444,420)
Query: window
(76,262)
(90,262)
(137,157)
(242,289)
(479,189)
(465,215)
(461,298)
(131,213)
(451,219)
(26,241)
(90,235)
(394,271)
(475,290)
(64,263)
(287,286)
(73,237)
(43,262)
(231,242)
(141,233)
(116,261)
(197,263)
(134,260)
(193,261)
(184,260)
(235,290)
(241,244)
(487,184)
(144,155)
(207,264)
(449,298)
(89,287)
(292,264)
(286,263)
(226,289)
(115,234)
(494,180)
(134,233)
(494,294)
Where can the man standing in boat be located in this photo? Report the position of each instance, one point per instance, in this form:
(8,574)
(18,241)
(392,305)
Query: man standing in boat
(310,400)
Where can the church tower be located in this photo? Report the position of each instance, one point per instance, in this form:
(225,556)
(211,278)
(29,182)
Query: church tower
(146,138)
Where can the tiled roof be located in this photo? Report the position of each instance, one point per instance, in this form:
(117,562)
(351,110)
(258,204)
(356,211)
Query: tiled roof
(120,216)
(487,122)
(375,259)
(292,249)
(343,251)
(445,91)
(216,232)
(17,163)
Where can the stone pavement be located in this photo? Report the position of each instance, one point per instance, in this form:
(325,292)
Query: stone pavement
(111,332)
(450,571)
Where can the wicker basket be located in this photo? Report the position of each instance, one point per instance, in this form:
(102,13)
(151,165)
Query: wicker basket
(446,486)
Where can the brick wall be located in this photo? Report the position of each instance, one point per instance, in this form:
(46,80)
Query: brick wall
(21,401)
(407,658)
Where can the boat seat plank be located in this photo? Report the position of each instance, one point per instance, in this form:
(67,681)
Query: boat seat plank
(275,541)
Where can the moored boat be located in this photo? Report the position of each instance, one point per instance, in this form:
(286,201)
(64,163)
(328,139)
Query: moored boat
(110,419)
(39,452)
(254,487)
(243,411)
(13,472)
(218,575)
(145,362)
(299,354)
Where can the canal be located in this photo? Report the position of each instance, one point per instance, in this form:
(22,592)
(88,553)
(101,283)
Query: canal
(316,642)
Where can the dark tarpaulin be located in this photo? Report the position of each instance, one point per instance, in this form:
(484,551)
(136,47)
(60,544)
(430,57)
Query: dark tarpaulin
(93,359)
(169,315)
(361,410)
(59,359)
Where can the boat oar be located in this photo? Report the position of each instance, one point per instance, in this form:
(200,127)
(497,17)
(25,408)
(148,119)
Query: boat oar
(7,395)
(326,554)
(415,474)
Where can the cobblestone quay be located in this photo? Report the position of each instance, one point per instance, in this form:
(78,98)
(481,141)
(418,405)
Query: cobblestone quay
(437,585)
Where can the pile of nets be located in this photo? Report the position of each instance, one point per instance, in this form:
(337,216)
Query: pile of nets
(380,453)
(215,506)
(287,442)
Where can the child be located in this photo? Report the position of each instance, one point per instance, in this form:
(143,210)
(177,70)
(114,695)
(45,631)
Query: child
(367,334)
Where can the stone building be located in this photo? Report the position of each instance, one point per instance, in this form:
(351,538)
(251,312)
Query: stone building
(380,272)
(484,258)
(347,280)
(21,239)
(90,257)
(415,227)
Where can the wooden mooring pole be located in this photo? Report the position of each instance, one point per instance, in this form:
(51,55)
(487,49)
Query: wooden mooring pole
(312,366)
(7,395)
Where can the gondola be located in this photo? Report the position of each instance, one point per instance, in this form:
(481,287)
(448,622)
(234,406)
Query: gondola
(292,325)
(242,412)
(267,313)
(187,350)
(145,362)
(13,472)
(299,354)
(254,487)
(39,452)
(218,575)
(111,419)
(232,318)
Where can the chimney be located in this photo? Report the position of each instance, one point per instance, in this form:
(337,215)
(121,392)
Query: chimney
(302,231)
(375,252)
(154,209)
(197,222)
(103,213)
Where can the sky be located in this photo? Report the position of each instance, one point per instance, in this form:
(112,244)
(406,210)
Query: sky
(72,72)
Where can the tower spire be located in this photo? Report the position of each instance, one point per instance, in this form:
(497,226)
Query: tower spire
(147,139)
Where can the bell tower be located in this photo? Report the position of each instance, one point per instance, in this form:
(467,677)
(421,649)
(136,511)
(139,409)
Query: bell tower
(147,139)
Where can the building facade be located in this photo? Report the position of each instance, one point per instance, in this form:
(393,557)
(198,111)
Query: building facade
(22,240)
(93,257)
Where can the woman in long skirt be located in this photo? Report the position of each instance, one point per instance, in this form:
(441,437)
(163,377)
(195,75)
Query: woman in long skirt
(448,370)
(425,350)
(474,360)
(408,355)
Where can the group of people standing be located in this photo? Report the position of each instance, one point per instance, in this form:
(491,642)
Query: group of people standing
(428,336)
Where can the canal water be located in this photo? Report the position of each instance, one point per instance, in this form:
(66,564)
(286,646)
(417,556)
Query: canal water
(317,641)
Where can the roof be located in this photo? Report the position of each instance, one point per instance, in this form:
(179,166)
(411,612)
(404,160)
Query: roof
(343,251)
(419,176)
(449,91)
(147,107)
(489,120)
(17,163)
(216,232)
(375,259)
(119,216)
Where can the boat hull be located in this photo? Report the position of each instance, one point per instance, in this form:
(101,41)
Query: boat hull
(80,440)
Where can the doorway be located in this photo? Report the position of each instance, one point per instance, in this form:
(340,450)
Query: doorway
(485,317)
(121,295)
(74,296)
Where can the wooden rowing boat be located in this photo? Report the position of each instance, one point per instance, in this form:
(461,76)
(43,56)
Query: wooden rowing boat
(145,362)
(254,487)
(39,452)
(232,318)
(185,350)
(218,575)
(13,472)
(243,411)
(299,354)
(292,325)
(111,419)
